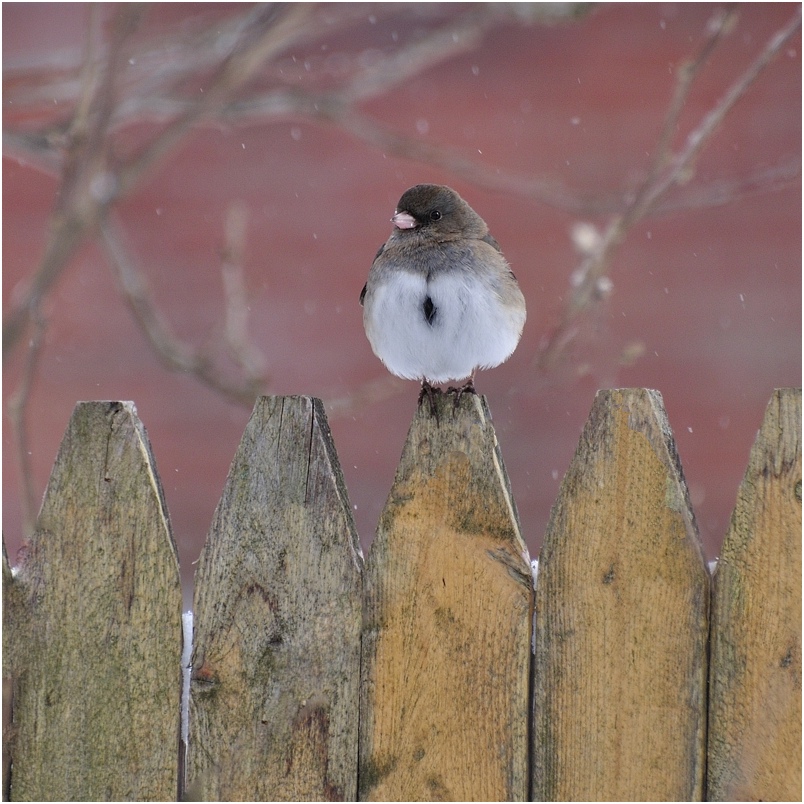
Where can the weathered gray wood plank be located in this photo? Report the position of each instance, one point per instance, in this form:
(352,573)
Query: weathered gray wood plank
(276,657)
(12,619)
(621,618)
(447,620)
(755,683)
(94,624)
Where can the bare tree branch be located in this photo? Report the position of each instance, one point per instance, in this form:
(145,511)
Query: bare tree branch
(589,286)
(273,28)
(173,352)
(91,184)
(719,192)
(17,408)
(112,87)
(245,353)
(682,163)
(156,97)
(230,54)
(720,24)
(86,187)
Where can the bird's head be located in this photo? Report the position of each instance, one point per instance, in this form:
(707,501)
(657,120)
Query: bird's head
(436,211)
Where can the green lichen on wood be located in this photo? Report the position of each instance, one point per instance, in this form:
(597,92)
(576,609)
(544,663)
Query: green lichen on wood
(97,643)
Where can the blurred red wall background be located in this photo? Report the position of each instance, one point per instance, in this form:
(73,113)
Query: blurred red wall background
(705,304)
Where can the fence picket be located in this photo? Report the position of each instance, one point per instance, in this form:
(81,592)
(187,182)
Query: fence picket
(447,616)
(755,684)
(427,651)
(93,624)
(621,618)
(276,656)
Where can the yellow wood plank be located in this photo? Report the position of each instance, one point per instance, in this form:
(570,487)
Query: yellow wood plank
(447,621)
(621,618)
(755,685)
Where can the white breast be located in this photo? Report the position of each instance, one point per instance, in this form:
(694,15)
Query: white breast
(471,329)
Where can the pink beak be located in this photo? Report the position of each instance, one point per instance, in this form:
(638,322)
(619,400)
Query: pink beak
(404,220)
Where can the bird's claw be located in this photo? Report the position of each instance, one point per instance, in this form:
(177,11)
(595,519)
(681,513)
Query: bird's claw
(467,388)
(431,393)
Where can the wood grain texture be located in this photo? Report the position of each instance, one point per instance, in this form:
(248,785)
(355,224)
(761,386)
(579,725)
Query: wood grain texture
(276,657)
(13,619)
(621,618)
(447,620)
(96,627)
(755,684)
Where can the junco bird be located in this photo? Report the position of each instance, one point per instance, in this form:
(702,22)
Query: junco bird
(441,300)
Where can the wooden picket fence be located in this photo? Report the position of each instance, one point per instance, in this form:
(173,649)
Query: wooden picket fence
(433,670)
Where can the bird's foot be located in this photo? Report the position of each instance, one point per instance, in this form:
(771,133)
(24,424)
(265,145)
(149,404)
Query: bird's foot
(431,394)
(467,388)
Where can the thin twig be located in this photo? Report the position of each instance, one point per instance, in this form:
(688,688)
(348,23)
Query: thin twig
(719,192)
(92,182)
(179,356)
(174,353)
(156,101)
(242,350)
(681,165)
(720,24)
(274,28)
(593,266)
(87,187)
(17,406)
(90,185)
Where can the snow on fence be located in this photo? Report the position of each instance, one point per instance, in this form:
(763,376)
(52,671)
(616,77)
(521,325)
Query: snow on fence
(433,671)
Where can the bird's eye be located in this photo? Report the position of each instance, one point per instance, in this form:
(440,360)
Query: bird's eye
(435,215)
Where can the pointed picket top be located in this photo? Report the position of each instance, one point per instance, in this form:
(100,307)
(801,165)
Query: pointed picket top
(755,682)
(447,618)
(276,655)
(97,601)
(621,618)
